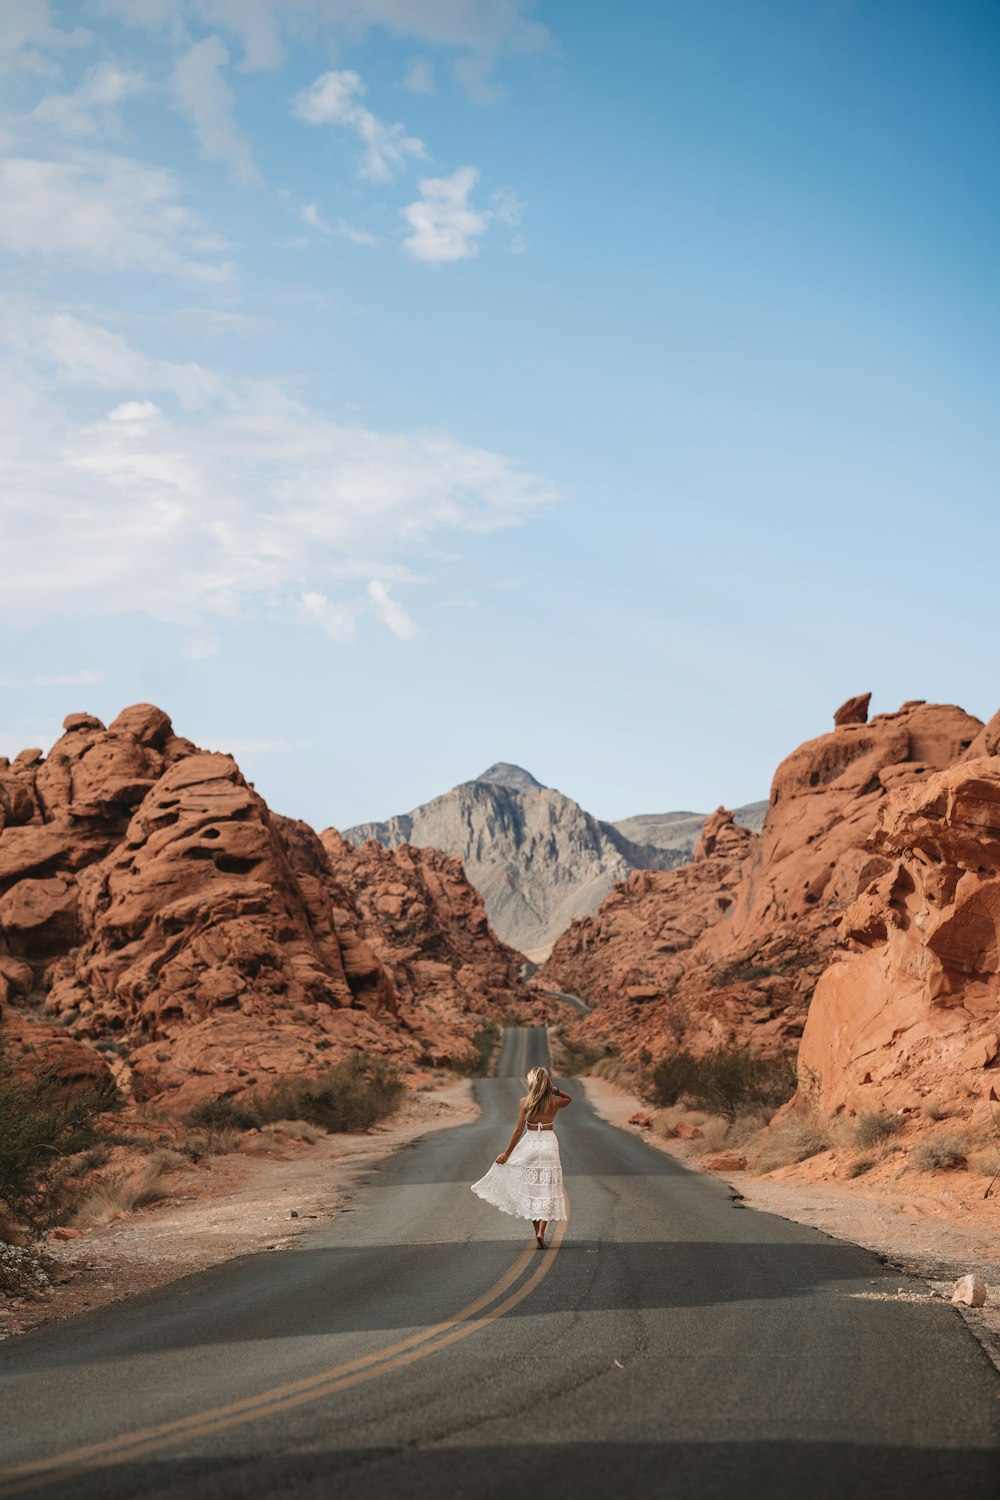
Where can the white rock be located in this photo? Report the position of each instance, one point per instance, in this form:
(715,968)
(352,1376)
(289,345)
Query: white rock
(969,1291)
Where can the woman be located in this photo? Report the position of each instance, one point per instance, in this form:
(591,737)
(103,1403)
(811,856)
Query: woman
(526,1179)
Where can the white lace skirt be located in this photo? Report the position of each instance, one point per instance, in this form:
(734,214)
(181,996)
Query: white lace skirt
(529,1184)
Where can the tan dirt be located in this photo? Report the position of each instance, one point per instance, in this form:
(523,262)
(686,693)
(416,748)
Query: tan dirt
(934,1225)
(227,1206)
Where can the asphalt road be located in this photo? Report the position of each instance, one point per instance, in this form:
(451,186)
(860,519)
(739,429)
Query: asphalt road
(673,1344)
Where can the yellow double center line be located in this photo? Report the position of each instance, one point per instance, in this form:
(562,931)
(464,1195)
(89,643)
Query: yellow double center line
(147,1440)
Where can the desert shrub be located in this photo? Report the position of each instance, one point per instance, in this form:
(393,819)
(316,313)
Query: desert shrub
(794,1140)
(485,1041)
(875,1126)
(22,1273)
(213,1140)
(861,1165)
(222,1112)
(940,1152)
(281,1132)
(934,1109)
(352,1095)
(121,1193)
(984,1158)
(570,1057)
(714,1135)
(42,1124)
(727,1082)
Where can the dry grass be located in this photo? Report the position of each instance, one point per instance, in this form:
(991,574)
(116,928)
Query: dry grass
(935,1110)
(940,1153)
(217,1140)
(714,1135)
(121,1193)
(985,1158)
(875,1126)
(281,1132)
(665,1120)
(802,1135)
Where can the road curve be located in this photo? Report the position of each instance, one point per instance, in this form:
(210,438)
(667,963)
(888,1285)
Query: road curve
(674,1344)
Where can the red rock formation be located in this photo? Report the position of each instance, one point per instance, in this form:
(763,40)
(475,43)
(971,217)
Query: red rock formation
(747,973)
(151,903)
(428,926)
(913,1010)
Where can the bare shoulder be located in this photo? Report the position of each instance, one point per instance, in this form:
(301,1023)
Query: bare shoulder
(522,1104)
(563,1100)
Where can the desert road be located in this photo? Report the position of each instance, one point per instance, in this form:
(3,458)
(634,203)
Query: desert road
(669,1344)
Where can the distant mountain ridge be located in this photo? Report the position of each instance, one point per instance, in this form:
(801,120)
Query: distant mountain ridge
(537,858)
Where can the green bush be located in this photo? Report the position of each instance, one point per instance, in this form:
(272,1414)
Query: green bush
(224,1113)
(727,1082)
(42,1123)
(352,1095)
(874,1127)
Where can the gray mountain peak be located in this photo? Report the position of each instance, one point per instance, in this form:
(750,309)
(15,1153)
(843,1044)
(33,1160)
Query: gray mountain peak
(515,778)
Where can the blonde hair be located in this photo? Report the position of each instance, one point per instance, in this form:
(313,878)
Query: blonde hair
(539,1090)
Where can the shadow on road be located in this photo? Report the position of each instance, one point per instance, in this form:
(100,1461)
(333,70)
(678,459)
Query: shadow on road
(665,1470)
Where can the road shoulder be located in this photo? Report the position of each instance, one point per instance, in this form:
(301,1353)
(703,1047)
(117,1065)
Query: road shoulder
(937,1236)
(261,1197)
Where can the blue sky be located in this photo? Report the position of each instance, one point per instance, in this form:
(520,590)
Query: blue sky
(389,387)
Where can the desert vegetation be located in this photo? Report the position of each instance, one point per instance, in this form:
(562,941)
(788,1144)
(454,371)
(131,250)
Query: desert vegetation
(728,1082)
(43,1126)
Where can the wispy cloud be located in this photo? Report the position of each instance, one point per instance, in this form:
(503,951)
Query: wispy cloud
(445,226)
(390,612)
(202,93)
(245,504)
(335,99)
(419,76)
(106,212)
(31,42)
(92,108)
(341,230)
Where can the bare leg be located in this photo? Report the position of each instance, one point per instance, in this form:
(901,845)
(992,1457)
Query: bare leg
(540,1233)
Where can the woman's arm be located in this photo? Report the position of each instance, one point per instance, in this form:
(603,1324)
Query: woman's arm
(561,1098)
(518,1132)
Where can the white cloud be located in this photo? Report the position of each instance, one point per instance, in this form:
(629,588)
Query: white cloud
(109,212)
(390,612)
(84,353)
(483,30)
(445,226)
(135,411)
(29,38)
(90,109)
(342,230)
(201,93)
(419,77)
(334,99)
(248,504)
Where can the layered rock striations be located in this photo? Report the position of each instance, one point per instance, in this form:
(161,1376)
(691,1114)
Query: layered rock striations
(730,950)
(156,911)
(536,857)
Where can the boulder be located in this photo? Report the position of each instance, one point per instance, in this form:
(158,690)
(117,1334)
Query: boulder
(969,1290)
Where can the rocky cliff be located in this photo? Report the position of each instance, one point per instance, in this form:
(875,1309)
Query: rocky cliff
(910,1012)
(878,835)
(536,857)
(155,913)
